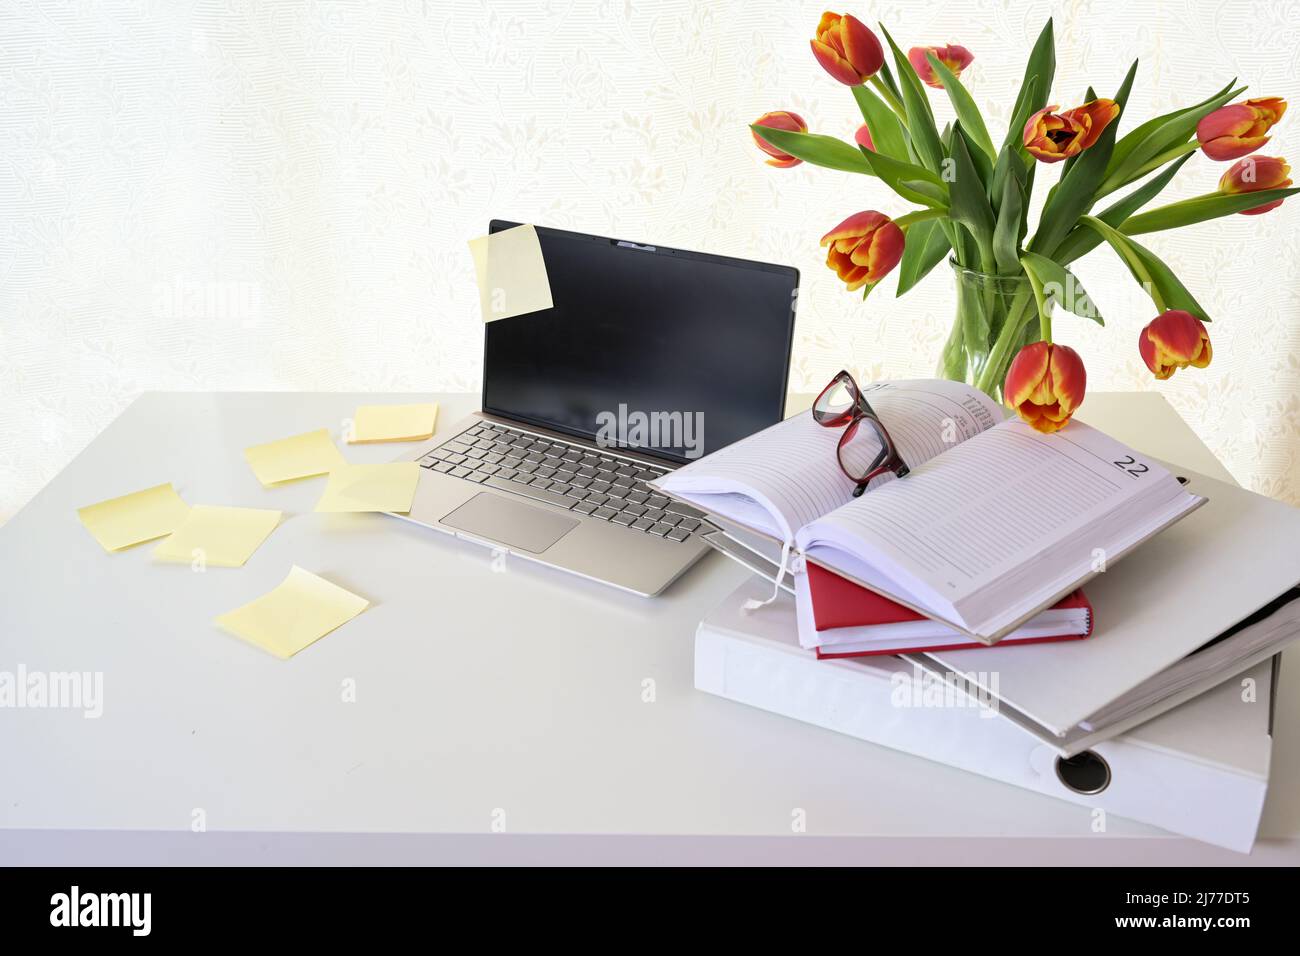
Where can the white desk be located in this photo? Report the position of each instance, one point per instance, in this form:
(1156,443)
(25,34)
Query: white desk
(482,697)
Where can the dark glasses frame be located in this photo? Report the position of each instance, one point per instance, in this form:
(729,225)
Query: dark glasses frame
(850,419)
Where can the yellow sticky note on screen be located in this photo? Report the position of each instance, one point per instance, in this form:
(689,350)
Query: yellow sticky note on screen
(301,456)
(131,519)
(302,610)
(221,537)
(511,273)
(374,423)
(388,487)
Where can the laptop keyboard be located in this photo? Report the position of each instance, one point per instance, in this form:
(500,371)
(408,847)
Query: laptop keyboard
(575,477)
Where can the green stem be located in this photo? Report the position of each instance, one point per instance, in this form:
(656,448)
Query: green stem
(988,265)
(1008,338)
(888,96)
(953,363)
(1044,314)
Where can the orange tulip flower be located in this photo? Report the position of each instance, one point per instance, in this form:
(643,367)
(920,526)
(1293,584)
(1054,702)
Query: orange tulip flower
(1051,136)
(1254,173)
(1174,340)
(1231,132)
(954,57)
(1045,384)
(847,49)
(863,138)
(864,248)
(779,119)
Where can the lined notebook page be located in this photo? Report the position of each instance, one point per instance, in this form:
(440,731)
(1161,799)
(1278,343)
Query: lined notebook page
(990,505)
(926,418)
(790,468)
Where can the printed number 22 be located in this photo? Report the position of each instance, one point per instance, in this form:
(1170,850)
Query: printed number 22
(1131,466)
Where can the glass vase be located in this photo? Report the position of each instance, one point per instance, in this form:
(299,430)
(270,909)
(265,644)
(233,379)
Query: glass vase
(996,316)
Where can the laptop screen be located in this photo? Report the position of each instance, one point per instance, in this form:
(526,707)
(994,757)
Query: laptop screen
(674,353)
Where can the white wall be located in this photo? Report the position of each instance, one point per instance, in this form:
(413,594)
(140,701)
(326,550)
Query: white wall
(306,174)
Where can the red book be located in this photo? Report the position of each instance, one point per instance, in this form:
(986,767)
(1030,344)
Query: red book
(848,620)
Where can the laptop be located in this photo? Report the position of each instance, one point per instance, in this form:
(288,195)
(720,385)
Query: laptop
(650,358)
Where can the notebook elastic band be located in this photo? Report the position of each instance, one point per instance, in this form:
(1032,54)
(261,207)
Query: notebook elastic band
(753,605)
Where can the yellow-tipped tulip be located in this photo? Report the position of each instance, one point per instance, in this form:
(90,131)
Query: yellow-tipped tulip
(847,49)
(779,119)
(864,248)
(1051,137)
(1045,384)
(1174,340)
(1254,173)
(953,56)
(1231,132)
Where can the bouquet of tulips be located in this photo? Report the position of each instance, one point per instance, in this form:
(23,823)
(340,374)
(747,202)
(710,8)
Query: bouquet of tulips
(971,201)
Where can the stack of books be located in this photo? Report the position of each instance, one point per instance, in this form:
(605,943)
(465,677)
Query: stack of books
(1093,601)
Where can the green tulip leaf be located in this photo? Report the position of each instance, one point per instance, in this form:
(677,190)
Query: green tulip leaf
(1059,284)
(887,133)
(964,106)
(1040,70)
(908,180)
(1146,142)
(920,118)
(1006,234)
(887,78)
(1077,190)
(1200,209)
(1165,288)
(1118,212)
(979,159)
(1082,240)
(968,204)
(938,197)
(1013,158)
(926,247)
(813,148)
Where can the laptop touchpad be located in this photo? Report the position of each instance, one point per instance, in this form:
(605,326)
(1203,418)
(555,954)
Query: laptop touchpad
(513,523)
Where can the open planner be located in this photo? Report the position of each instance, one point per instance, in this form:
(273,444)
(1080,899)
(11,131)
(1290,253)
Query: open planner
(994,524)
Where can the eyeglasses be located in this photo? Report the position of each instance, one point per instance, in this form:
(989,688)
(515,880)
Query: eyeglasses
(865,450)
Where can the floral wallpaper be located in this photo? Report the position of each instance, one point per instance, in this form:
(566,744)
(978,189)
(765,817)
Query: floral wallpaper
(230,194)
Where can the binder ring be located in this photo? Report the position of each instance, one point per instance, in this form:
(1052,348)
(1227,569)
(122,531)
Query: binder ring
(1085,773)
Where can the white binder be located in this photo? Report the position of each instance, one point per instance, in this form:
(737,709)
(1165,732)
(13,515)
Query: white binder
(1211,574)
(1200,770)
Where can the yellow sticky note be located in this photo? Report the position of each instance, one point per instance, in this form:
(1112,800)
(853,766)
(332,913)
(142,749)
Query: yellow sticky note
(221,537)
(511,273)
(388,487)
(302,610)
(394,423)
(140,516)
(302,456)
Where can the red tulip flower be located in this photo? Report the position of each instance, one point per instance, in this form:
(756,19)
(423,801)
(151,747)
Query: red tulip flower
(954,57)
(779,119)
(864,248)
(847,49)
(1231,132)
(1051,136)
(1254,173)
(1045,384)
(863,138)
(1174,340)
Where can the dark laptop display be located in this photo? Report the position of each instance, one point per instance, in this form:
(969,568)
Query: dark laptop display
(676,353)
